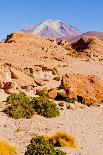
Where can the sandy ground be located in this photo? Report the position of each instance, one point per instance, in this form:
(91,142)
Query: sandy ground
(85,124)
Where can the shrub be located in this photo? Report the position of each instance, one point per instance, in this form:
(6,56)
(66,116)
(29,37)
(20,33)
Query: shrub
(39,146)
(61,138)
(61,96)
(61,104)
(57,78)
(45,107)
(6,149)
(71,100)
(55,71)
(42,92)
(19,106)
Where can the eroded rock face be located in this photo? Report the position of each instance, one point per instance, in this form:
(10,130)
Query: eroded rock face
(88,89)
(21,78)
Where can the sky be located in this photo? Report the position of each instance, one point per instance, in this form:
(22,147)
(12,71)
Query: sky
(83,14)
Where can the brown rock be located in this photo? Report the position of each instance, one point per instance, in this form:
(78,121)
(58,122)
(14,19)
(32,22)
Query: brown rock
(11,87)
(21,78)
(52,93)
(71,106)
(88,89)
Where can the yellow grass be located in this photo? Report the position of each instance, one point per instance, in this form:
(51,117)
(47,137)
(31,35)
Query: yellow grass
(61,138)
(6,149)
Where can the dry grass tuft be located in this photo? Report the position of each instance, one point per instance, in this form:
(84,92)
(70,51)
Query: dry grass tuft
(61,138)
(6,149)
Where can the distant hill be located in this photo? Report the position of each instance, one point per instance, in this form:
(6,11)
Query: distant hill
(99,35)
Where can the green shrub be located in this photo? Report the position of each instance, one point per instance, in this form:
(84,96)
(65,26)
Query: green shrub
(61,96)
(19,106)
(39,146)
(57,78)
(71,100)
(45,107)
(41,92)
(61,104)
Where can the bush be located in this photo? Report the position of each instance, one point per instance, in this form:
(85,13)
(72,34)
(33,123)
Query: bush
(6,149)
(71,100)
(19,106)
(61,104)
(42,92)
(57,78)
(61,138)
(39,146)
(61,96)
(45,107)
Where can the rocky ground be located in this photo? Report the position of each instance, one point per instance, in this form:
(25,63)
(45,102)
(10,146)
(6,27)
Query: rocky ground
(85,124)
(33,62)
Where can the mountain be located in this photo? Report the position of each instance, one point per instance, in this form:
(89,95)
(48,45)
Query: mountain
(99,35)
(53,28)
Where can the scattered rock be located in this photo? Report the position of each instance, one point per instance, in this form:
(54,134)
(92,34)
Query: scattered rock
(11,87)
(3,95)
(22,79)
(70,106)
(52,93)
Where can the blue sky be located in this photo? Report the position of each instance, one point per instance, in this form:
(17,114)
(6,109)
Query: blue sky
(83,14)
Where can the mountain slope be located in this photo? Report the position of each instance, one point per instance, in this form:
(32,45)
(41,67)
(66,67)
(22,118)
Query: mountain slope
(89,47)
(53,28)
(99,35)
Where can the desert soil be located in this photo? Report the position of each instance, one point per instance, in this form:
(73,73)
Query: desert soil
(85,124)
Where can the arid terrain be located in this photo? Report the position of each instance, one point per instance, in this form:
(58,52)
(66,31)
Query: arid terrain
(31,62)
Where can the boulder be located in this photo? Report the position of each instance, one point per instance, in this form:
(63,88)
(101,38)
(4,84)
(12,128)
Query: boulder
(88,89)
(21,78)
(11,87)
(3,95)
(52,93)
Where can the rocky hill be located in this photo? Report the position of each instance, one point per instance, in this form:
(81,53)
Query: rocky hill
(89,47)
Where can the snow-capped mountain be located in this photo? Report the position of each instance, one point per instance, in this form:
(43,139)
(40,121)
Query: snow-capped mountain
(53,28)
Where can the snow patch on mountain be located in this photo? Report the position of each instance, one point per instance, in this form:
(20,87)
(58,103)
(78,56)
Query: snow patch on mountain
(53,28)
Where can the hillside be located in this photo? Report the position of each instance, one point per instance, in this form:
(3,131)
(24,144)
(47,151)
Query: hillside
(89,47)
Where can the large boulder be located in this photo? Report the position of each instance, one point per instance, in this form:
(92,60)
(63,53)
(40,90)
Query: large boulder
(87,88)
(21,78)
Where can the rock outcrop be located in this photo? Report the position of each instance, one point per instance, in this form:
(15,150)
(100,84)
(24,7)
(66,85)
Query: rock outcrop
(89,47)
(86,88)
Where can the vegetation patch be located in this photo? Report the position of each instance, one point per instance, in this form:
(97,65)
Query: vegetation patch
(61,138)
(57,78)
(45,107)
(71,100)
(61,96)
(6,149)
(42,92)
(61,104)
(40,146)
(19,106)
